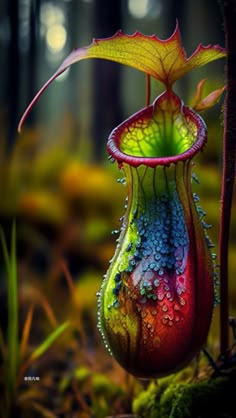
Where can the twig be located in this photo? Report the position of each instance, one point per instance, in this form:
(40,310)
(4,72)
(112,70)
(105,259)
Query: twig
(229,148)
(148,90)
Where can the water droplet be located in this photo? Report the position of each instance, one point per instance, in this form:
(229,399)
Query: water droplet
(149,275)
(164,308)
(182,301)
(117,277)
(154,312)
(152,265)
(156,282)
(111,159)
(177,318)
(179,253)
(115,291)
(165,320)
(129,246)
(116,304)
(160,296)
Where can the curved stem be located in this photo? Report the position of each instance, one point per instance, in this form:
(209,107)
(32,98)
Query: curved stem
(229,149)
(148,90)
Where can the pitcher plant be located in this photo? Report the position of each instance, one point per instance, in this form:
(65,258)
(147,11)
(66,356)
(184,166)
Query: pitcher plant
(156,300)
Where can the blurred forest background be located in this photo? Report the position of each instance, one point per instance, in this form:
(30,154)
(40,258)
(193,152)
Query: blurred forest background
(54,177)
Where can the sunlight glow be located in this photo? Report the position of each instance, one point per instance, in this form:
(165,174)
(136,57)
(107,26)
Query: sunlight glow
(138,8)
(56,38)
(142,9)
(51,14)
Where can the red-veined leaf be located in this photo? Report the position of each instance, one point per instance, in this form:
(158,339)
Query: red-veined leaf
(164,60)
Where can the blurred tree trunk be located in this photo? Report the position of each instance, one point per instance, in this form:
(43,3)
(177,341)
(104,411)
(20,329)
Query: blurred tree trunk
(13,74)
(75,13)
(174,11)
(106,91)
(32,54)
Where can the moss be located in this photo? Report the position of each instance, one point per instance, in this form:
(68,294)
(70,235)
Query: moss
(147,404)
(214,397)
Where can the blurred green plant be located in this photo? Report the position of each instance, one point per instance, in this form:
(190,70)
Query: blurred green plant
(14,351)
(10,353)
(101,390)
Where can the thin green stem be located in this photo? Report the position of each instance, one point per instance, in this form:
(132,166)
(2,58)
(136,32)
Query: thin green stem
(12,356)
(148,89)
(229,149)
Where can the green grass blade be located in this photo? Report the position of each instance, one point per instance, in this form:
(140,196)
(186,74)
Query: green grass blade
(13,339)
(5,252)
(39,351)
(12,328)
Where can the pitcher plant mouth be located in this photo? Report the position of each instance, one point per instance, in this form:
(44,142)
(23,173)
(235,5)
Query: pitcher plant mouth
(165,132)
